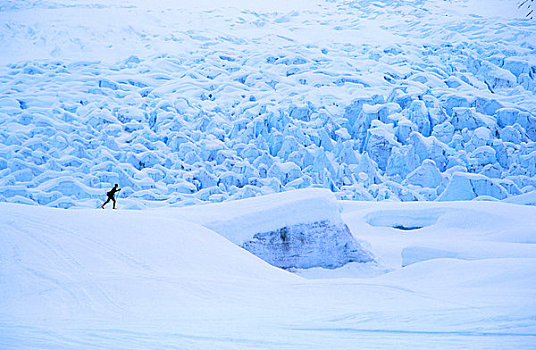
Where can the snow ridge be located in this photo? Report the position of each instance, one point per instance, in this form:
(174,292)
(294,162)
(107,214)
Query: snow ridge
(294,229)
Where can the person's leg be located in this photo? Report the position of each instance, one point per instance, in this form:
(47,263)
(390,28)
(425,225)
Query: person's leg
(108,200)
(113,201)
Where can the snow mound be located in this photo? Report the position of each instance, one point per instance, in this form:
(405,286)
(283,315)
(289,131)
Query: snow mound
(425,231)
(101,264)
(404,220)
(294,229)
(524,199)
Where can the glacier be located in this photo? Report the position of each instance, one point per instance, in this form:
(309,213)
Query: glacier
(248,104)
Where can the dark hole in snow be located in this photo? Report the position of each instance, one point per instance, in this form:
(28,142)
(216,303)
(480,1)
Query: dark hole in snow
(406,228)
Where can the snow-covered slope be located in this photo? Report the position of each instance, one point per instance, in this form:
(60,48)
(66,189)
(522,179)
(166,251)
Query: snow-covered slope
(87,279)
(295,229)
(193,102)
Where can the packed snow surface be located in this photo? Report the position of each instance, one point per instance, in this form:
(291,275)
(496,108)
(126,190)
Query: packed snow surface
(153,279)
(185,102)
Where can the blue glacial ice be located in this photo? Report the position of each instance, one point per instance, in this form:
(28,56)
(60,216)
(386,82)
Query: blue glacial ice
(434,116)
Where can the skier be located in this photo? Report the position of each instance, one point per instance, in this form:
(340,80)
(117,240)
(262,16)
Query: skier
(111,195)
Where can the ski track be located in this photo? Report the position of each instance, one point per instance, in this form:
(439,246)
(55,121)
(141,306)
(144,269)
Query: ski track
(63,260)
(301,338)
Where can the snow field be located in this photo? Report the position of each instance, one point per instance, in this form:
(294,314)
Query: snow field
(151,279)
(184,105)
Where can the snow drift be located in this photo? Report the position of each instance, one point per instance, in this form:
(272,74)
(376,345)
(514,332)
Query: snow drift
(295,229)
